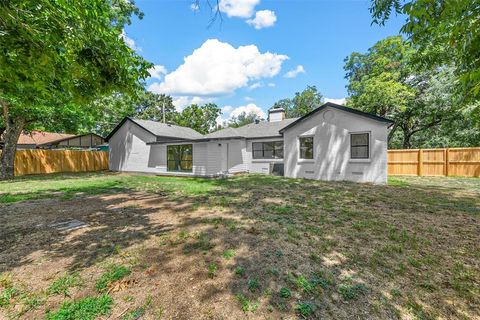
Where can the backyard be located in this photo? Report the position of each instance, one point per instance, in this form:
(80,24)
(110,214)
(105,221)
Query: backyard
(118,246)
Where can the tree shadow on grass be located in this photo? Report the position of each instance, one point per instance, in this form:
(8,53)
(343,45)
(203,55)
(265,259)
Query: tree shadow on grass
(341,248)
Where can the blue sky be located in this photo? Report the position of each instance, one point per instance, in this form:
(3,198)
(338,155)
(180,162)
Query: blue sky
(242,62)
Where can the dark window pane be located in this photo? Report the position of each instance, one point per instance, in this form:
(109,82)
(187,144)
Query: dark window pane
(360,152)
(268,145)
(359,139)
(257,146)
(268,154)
(180,157)
(257,154)
(306,148)
(267,150)
(279,154)
(359,146)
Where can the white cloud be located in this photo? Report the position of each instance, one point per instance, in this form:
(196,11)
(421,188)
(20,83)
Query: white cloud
(227,109)
(263,19)
(218,68)
(194,7)
(295,72)
(128,41)
(157,71)
(238,8)
(341,101)
(247,98)
(249,108)
(228,112)
(271,85)
(181,102)
(255,85)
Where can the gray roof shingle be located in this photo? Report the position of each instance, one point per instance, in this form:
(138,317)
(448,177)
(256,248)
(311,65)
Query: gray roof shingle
(168,130)
(252,130)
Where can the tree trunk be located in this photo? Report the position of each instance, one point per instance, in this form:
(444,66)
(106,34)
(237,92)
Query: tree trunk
(13,128)
(406,141)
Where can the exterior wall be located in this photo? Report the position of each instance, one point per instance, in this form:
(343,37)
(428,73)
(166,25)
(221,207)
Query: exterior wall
(260,165)
(130,152)
(331,130)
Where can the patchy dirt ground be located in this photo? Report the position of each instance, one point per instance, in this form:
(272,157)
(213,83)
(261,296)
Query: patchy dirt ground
(249,247)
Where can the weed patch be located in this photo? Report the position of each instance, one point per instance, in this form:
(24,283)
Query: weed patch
(88,308)
(112,274)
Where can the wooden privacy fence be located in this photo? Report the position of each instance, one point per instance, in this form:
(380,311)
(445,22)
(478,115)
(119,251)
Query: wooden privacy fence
(462,162)
(38,161)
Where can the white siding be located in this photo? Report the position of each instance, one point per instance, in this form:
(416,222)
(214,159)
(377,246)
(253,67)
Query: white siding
(129,152)
(331,130)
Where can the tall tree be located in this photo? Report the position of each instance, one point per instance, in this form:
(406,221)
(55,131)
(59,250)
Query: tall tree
(201,118)
(444,32)
(57,54)
(153,106)
(243,119)
(384,81)
(302,103)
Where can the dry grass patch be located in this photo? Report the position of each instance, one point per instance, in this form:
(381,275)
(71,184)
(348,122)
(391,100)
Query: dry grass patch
(246,247)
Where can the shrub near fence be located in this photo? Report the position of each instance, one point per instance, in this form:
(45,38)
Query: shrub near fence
(37,161)
(461,162)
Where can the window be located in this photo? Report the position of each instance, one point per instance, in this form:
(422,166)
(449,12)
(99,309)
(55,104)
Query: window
(359,145)
(179,158)
(306,147)
(268,150)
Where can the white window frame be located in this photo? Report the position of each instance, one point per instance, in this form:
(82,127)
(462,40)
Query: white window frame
(369,146)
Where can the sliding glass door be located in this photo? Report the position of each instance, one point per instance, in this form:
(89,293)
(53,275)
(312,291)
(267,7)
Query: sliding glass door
(180,158)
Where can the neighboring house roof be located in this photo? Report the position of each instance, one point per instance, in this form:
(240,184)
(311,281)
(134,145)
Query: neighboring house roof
(70,137)
(40,137)
(161,129)
(262,129)
(338,107)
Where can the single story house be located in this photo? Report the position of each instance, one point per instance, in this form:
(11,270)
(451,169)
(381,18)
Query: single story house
(82,141)
(37,139)
(332,142)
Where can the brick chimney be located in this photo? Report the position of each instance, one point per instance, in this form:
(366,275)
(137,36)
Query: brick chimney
(276,114)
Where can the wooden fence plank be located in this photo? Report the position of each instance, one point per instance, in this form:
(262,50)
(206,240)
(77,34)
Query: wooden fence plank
(463,162)
(37,161)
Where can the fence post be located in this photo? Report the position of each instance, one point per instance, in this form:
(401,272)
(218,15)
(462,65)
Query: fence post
(447,162)
(420,162)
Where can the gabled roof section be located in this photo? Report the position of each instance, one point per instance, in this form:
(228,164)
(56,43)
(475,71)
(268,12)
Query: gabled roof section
(262,129)
(71,137)
(41,137)
(160,129)
(338,107)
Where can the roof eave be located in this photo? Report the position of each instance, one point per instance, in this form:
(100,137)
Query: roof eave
(339,107)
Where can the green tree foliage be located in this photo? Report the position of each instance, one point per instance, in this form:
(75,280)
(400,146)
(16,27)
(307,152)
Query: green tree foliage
(243,119)
(302,103)
(200,118)
(152,106)
(57,56)
(385,81)
(444,31)
(108,111)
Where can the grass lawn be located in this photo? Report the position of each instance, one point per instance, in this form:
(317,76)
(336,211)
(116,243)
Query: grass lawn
(248,247)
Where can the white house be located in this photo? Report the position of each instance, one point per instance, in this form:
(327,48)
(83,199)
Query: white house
(332,142)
